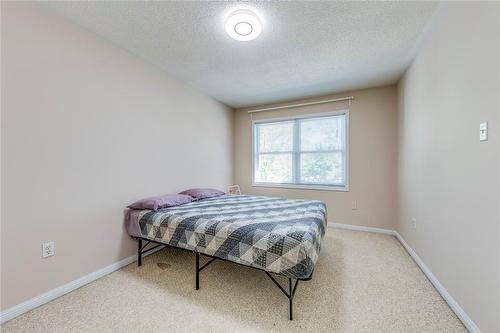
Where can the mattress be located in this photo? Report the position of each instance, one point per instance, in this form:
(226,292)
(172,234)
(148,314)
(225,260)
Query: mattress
(278,235)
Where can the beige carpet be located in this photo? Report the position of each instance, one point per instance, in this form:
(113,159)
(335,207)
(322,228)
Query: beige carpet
(362,283)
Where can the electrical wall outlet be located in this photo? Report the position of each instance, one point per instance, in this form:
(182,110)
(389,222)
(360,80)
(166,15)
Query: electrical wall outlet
(414,223)
(354,205)
(48,249)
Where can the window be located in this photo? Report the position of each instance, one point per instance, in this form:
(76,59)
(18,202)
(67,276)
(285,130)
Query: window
(305,152)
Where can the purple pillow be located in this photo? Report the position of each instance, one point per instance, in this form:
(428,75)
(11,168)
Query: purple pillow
(202,193)
(163,201)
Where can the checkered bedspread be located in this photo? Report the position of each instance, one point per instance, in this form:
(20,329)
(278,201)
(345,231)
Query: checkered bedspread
(278,235)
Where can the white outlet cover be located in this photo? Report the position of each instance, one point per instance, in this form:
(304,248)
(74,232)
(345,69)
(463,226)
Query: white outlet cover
(48,249)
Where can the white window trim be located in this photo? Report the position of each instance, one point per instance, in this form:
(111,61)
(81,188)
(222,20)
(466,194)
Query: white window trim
(341,188)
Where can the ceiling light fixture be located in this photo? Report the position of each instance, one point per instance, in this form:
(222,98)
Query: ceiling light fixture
(243,25)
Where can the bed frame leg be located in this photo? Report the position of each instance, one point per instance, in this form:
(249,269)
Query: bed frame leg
(290,298)
(197,271)
(139,252)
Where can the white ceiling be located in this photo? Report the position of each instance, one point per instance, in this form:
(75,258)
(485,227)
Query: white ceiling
(305,49)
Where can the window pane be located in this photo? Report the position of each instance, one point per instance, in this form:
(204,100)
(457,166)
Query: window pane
(325,133)
(275,137)
(322,168)
(274,168)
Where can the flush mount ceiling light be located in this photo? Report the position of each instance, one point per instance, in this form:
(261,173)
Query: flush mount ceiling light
(243,25)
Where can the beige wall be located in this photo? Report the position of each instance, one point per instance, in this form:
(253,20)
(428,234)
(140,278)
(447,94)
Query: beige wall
(372,165)
(449,181)
(86,129)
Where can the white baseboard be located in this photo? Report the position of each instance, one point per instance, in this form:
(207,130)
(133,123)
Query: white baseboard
(466,320)
(362,228)
(64,289)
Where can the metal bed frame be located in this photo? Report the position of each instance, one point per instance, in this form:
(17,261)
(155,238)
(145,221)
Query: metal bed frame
(292,287)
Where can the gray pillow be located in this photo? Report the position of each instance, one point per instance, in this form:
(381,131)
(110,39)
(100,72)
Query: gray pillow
(202,193)
(162,201)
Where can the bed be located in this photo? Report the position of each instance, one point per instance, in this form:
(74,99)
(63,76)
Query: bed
(276,235)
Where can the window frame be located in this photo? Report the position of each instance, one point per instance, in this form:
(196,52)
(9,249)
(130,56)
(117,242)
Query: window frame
(326,187)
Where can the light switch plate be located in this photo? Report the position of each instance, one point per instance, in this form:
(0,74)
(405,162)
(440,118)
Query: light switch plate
(483,131)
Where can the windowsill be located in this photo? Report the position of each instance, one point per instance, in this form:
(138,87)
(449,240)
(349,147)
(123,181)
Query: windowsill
(304,187)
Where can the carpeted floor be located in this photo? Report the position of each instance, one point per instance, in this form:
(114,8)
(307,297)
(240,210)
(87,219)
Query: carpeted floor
(363,282)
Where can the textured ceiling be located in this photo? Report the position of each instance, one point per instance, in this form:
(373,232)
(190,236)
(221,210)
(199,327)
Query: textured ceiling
(305,49)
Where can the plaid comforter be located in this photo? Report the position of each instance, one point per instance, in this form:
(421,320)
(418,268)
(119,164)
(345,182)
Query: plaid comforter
(278,235)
